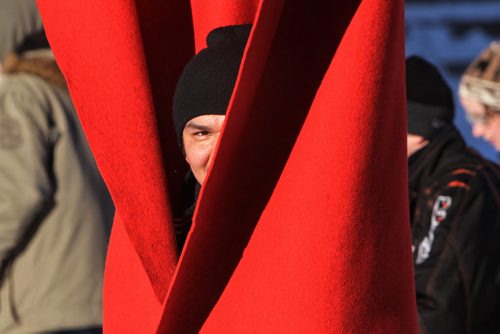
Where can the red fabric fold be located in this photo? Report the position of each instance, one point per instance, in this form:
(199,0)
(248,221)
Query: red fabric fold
(295,230)
(208,15)
(331,221)
(101,47)
(297,191)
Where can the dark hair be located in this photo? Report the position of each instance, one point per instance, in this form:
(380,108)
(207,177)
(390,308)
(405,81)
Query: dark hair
(35,41)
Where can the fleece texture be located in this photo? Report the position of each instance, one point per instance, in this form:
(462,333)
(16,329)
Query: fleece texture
(296,229)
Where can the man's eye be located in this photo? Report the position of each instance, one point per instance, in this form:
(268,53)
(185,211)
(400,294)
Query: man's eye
(200,133)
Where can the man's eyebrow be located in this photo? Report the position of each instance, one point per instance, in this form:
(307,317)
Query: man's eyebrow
(193,125)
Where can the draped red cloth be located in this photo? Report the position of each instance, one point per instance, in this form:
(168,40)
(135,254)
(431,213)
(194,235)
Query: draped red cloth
(302,225)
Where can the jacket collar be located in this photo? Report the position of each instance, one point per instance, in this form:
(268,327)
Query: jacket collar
(430,160)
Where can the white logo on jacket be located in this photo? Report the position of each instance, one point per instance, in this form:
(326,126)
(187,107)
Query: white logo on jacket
(439,212)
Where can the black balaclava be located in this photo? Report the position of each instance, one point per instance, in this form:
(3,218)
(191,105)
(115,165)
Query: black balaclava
(430,106)
(207,82)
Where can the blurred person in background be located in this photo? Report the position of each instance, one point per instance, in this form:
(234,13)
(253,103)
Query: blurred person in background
(55,211)
(480,94)
(454,212)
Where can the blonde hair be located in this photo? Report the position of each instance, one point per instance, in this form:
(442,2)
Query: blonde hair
(481,80)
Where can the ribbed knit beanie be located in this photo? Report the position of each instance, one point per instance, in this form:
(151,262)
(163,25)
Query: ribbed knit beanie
(207,82)
(430,106)
(481,80)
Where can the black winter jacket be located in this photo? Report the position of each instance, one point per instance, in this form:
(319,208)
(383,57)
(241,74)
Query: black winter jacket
(455,216)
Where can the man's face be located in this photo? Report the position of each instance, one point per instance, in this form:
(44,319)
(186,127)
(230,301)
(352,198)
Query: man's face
(200,136)
(414,143)
(485,122)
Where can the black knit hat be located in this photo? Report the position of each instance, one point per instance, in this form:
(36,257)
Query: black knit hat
(430,106)
(206,84)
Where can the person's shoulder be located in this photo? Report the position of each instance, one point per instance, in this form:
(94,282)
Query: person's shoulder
(21,84)
(468,171)
(475,175)
(483,167)
(29,90)
(25,98)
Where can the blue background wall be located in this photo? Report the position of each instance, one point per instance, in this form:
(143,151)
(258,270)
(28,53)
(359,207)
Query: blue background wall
(450,34)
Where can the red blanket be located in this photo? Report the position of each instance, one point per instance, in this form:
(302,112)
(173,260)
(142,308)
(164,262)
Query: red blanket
(302,225)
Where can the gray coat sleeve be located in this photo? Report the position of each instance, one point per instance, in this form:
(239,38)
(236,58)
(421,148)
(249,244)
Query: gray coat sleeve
(26,181)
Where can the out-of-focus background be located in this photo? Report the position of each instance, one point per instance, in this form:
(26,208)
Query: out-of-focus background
(450,34)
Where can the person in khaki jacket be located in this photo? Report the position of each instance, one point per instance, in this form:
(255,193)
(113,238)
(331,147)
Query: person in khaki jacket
(55,211)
